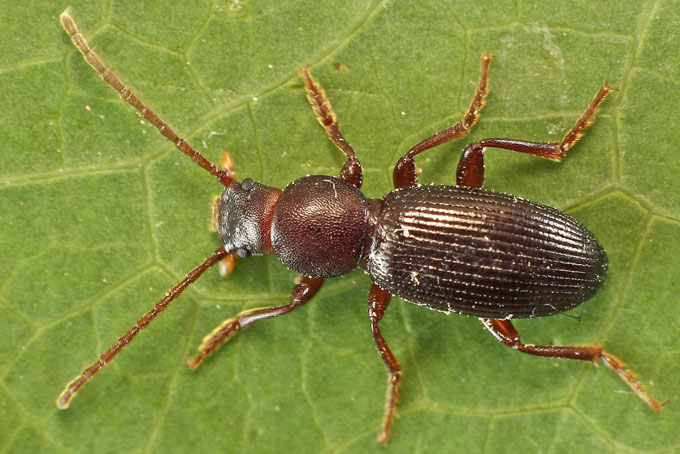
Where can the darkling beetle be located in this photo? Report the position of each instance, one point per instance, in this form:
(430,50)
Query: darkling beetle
(450,248)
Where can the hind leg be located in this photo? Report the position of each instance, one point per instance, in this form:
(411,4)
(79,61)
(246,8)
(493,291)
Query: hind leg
(505,333)
(470,172)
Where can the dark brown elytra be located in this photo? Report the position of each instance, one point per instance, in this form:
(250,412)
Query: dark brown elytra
(450,248)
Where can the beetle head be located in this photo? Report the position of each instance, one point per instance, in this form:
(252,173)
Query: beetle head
(244,217)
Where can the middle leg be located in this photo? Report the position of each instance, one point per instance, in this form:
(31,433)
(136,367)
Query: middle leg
(404,173)
(378,300)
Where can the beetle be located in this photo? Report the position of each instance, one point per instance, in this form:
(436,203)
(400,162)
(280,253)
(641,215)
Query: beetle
(457,249)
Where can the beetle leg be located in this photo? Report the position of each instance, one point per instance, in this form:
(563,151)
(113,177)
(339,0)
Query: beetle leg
(404,173)
(305,288)
(351,171)
(378,300)
(88,374)
(505,333)
(471,165)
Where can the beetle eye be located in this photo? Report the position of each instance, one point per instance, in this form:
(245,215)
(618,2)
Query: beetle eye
(243,252)
(247,184)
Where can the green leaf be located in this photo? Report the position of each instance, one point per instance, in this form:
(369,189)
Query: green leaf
(99,215)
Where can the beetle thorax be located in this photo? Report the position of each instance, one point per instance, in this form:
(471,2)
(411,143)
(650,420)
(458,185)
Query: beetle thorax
(319,226)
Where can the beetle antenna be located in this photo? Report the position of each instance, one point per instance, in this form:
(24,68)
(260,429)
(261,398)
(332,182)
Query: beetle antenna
(74,386)
(127,95)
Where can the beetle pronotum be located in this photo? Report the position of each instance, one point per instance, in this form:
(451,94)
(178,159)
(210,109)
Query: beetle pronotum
(450,248)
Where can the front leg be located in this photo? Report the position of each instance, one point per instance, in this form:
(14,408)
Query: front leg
(304,290)
(378,300)
(351,171)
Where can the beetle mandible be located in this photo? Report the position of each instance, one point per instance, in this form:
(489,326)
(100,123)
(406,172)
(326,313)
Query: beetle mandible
(450,248)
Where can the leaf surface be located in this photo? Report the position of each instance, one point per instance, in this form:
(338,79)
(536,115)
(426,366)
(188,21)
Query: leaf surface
(99,215)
